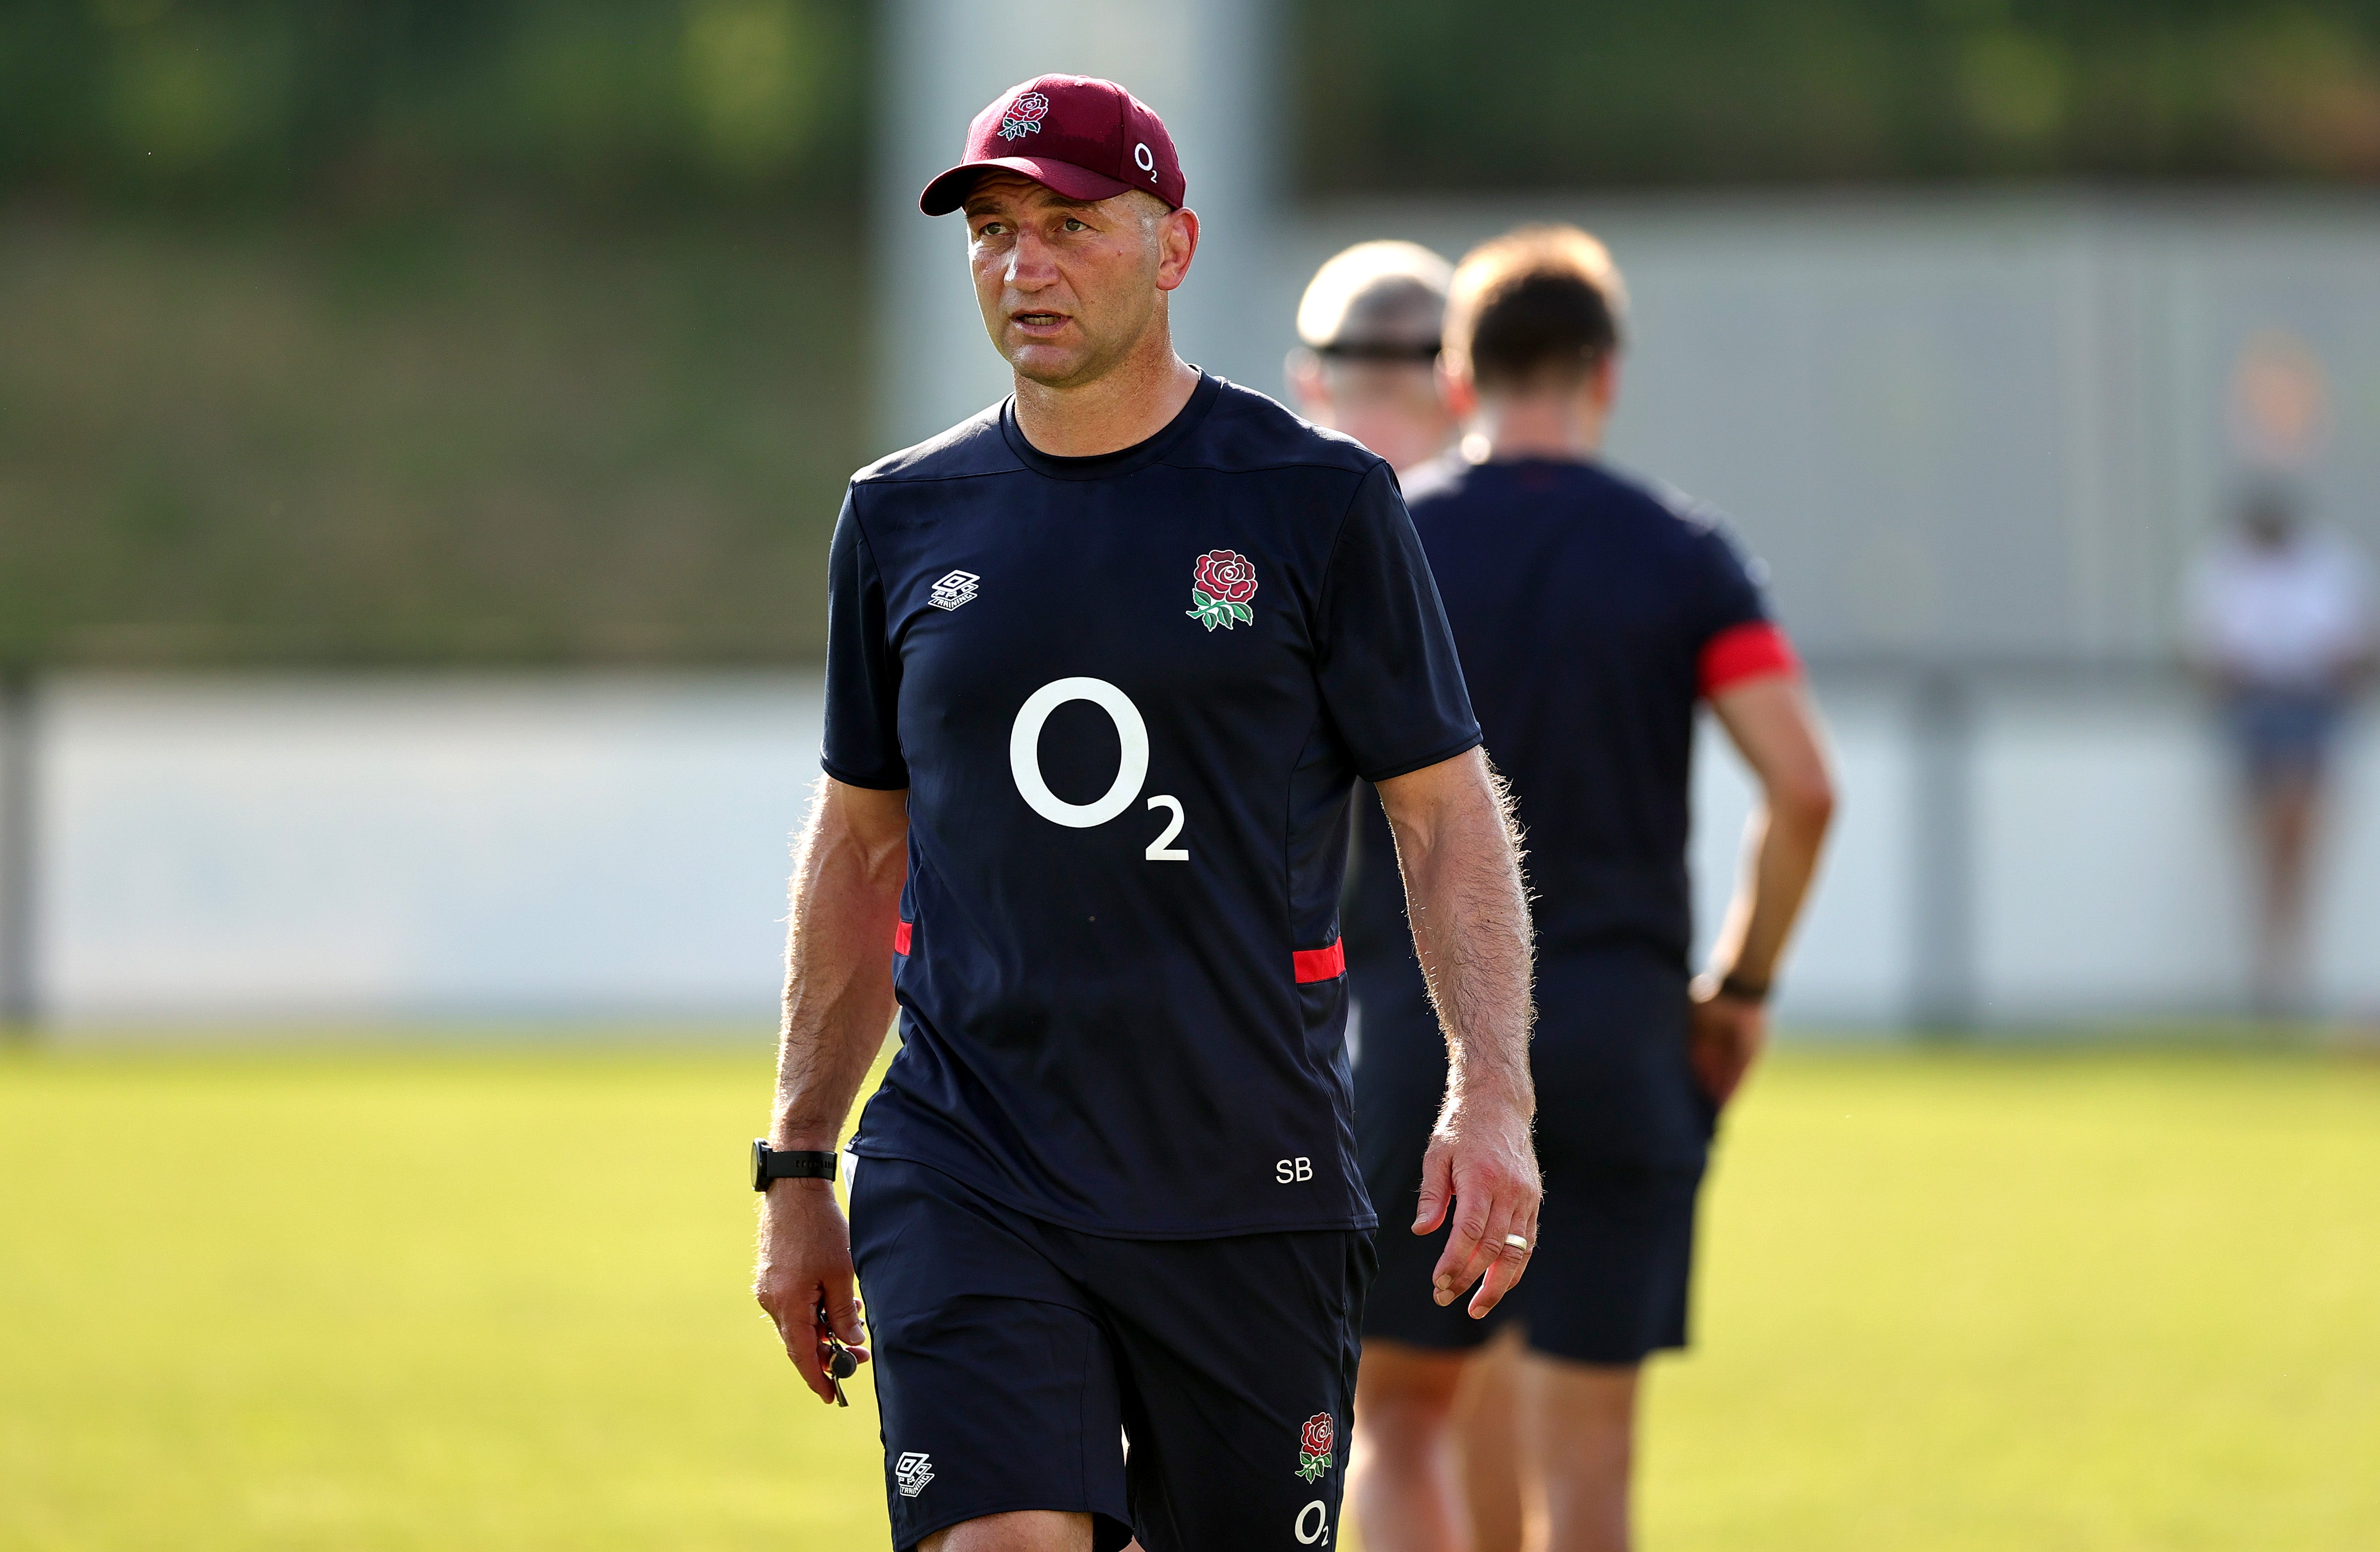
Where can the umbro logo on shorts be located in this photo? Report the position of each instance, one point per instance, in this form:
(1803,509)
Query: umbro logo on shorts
(957,588)
(913,1471)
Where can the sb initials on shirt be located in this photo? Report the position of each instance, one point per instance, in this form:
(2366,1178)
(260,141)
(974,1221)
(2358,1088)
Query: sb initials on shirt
(1293,1172)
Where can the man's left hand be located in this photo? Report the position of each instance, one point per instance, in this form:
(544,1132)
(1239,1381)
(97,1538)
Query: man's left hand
(1481,1164)
(1726,1036)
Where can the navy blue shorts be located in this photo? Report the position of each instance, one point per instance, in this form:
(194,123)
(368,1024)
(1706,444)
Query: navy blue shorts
(1607,1282)
(1622,1133)
(2284,734)
(1014,1358)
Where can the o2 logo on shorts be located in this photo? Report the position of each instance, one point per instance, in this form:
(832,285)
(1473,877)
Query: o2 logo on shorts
(1314,1524)
(1025,764)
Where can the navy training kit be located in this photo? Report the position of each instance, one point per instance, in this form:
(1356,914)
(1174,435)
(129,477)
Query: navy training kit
(1593,612)
(1128,697)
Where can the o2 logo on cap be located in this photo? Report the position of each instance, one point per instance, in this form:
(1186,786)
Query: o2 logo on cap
(1146,159)
(1024,117)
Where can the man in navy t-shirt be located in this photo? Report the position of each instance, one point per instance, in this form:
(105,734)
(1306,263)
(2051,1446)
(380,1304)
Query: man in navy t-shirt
(1595,614)
(1104,663)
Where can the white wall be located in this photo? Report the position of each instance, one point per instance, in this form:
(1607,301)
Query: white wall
(2108,877)
(613,847)
(304,847)
(1962,423)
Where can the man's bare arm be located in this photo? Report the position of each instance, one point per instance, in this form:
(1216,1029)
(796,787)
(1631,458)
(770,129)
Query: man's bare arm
(1470,916)
(846,898)
(1772,722)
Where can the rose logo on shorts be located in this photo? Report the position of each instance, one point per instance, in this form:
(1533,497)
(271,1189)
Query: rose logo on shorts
(1024,117)
(1313,1446)
(1220,591)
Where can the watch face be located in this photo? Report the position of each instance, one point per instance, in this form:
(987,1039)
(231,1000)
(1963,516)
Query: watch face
(759,1165)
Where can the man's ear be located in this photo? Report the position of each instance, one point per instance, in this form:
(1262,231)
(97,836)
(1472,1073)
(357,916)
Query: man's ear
(1461,395)
(1177,237)
(1308,384)
(1603,383)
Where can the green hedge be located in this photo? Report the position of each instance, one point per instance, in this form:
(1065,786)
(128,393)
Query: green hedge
(375,104)
(402,104)
(1398,94)
(498,438)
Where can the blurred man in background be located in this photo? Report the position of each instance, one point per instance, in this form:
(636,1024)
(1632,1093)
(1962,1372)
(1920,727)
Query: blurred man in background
(1367,363)
(1370,327)
(2281,617)
(1594,614)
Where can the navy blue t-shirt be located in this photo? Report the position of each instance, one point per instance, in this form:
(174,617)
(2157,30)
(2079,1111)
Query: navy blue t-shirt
(1129,697)
(1592,613)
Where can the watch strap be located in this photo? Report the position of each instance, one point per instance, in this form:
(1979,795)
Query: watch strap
(791,1164)
(1742,990)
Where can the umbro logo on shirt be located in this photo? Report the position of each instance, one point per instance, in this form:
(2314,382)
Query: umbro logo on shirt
(957,588)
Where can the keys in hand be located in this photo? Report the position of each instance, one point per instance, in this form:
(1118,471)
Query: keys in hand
(840,1363)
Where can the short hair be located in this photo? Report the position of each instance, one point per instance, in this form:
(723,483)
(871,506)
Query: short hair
(1377,301)
(1538,306)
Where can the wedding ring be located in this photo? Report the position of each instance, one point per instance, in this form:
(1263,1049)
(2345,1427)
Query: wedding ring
(1516,1241)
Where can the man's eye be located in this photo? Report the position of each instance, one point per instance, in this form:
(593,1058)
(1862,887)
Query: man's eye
(1074,225)
(988,229)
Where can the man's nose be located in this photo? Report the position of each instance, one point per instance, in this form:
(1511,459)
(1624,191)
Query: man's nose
(1030,265)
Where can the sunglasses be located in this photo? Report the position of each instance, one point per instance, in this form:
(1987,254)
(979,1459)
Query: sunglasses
(1417,355)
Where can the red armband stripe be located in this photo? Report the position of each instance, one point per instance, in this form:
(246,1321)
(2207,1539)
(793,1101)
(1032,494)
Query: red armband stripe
(1319,964)
(900,937)
(1750,651)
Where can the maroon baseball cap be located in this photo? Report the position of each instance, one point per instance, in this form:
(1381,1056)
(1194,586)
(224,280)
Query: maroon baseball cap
(1085,138)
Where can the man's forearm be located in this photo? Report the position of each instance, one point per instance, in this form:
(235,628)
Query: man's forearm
(1470,918)
(1776,728)
(845,901)
(1782,847)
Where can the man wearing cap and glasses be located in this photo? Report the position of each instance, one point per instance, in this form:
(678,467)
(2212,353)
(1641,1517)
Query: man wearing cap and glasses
(1366,360)
(1104,662)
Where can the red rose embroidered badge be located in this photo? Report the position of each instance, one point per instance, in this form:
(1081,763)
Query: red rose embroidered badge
(1313,1446)
(1024,117)
(1220,591)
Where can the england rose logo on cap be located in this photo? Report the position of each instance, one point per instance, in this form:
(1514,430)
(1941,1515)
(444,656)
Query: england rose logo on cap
(1024,117)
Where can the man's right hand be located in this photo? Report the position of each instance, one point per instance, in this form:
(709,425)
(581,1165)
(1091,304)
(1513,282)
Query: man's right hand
(806,1262)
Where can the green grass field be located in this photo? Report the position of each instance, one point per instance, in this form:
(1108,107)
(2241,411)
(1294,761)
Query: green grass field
(392,1297)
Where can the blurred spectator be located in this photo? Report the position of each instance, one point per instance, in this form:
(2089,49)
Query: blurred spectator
(2280,623)
(1368,363)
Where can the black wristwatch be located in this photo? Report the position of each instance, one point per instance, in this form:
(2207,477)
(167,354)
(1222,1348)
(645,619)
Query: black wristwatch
(768,1164)
(1740,990)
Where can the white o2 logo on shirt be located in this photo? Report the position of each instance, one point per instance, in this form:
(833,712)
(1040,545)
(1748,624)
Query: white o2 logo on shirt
(1131,769)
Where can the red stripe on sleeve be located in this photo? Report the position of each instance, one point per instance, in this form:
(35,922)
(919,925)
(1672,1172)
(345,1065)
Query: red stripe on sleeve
(900,937)
(1750,651)
(1319,964)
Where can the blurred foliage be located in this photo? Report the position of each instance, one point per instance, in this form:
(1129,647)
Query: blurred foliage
(419,331)
(532,330)
(1525,93)
(497,437)
(375,106)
